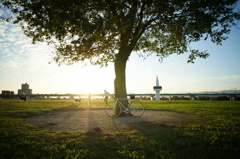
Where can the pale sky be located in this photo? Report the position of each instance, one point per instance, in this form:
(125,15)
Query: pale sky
(22,62)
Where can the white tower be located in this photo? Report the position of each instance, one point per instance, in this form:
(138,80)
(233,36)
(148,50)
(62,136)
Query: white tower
(157,88)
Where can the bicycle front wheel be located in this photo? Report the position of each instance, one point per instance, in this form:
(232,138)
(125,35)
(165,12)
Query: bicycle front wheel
(136,108)
(112,110)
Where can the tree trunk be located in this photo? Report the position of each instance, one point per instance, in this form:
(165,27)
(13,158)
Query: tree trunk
(120,79)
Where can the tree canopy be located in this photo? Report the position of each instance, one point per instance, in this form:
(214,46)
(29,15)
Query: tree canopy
(97,30)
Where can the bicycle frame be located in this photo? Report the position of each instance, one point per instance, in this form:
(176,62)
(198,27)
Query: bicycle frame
(126,110)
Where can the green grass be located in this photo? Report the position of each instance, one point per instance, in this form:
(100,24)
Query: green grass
(213,133)
(198,108)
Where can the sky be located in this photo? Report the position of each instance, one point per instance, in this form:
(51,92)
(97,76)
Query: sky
(22,62)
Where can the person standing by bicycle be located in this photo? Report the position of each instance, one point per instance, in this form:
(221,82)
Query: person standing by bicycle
(106,94)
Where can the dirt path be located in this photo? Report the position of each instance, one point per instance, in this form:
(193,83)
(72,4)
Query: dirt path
(97,120)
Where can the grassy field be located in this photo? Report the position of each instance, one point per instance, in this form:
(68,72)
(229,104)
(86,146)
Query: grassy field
(213,134)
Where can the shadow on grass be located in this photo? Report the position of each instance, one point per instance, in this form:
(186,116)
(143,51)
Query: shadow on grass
(158,140)
(18,139)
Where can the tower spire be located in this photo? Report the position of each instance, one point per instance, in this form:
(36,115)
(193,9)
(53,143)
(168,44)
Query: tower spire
(157,82)
(157,88)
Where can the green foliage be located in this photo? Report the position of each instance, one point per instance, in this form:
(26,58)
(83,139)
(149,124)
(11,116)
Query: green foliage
(213,134)
(96,30)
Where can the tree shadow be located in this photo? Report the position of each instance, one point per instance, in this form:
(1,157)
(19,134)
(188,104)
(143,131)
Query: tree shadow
(139,124)
(91,123)
(161,140)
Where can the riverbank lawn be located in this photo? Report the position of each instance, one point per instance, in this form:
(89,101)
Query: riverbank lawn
(214,133)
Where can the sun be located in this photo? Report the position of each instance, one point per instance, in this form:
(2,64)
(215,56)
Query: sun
(93,81)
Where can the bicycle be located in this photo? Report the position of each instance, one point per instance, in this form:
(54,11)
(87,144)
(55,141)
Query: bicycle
(136,108)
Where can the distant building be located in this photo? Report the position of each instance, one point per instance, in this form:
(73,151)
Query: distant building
(25,89)
(7,92)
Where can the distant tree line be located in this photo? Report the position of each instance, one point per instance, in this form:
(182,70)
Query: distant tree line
(218,98)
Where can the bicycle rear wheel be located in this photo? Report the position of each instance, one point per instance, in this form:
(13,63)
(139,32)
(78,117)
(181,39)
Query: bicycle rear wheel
(111,109)
(136,108)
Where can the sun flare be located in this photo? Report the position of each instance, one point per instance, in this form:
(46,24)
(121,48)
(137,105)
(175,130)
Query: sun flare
(93,81)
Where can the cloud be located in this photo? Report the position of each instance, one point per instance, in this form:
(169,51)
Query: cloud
(17,52)
(229,77)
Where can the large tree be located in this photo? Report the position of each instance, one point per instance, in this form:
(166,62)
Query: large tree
(104,31)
